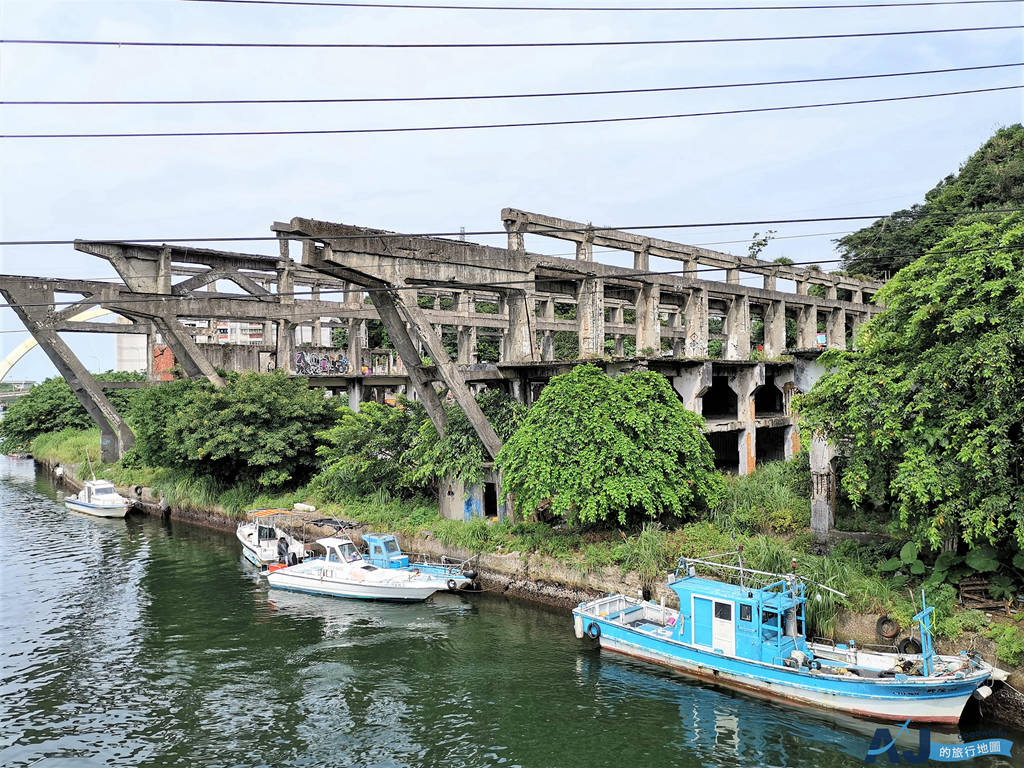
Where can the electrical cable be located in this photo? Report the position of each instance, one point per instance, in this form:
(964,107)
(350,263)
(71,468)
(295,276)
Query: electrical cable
(483,97)
(560,8)
(555,44)
(589,229)
(537,124)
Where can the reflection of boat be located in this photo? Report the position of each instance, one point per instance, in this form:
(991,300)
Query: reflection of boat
(384,552)
(16,455)
(263,542)
(752,637)
(343,572)
(99,498)
(722,727)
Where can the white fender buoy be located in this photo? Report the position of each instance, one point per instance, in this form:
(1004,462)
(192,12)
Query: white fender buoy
(577,625)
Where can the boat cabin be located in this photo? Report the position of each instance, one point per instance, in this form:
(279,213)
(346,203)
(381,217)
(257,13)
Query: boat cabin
(759,623)
(340,551)
(99,492)
(384,552)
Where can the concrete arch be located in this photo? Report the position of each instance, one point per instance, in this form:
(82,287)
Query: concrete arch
(28,344)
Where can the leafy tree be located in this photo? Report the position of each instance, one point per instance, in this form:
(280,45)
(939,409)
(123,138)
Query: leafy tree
(594,448)
(369,450)
(51,406)
(259,427)
(993,177)
(930,410)
(151,412)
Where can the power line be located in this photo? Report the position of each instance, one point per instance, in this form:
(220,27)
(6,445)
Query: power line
(558,44)
(479,232)
(438,7)
(480,126)
(550,94)
(588,229)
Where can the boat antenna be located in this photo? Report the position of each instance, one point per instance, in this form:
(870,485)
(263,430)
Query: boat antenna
(739,557)
(88,459)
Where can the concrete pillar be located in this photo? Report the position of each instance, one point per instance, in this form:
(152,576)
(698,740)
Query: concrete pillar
(775,329)
(467,345)
(835,329)
(547,346)
(857,320)
(857,296)
(696,322)
(285,273)
(585,249)
(518,343)
(823,488)
(791,441)
(732,275)
(831,292)
(807,327)
(737,329)
(745,382)
(620,345)
(769,283)
(648,329)
(358,340)
(286,345)
(642,257)
(590,317)
(801,287)
(691,384)
(355,394)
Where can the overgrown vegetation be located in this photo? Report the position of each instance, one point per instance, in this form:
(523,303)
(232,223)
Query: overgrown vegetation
(992,178)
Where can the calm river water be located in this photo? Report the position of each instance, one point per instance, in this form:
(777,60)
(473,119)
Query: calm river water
(143,643)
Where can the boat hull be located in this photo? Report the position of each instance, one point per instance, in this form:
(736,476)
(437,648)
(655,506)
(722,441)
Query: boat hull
(313,584)
(97,510)
(896,701)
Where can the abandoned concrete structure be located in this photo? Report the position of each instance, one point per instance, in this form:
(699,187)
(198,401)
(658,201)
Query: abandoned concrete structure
(735,353)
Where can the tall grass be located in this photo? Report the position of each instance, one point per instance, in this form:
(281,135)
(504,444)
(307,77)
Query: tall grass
(69,446)
(770,500)
(647,554)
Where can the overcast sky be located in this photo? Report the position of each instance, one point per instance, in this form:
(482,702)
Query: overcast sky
(847,160)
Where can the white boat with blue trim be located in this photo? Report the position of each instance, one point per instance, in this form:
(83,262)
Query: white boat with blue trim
(264,541)
(753,638)
(343,572)
(98,498)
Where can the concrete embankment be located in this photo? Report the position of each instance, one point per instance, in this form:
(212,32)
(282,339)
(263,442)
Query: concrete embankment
(542,579)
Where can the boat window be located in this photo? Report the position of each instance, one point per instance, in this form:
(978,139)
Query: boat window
(332,556)
(723,611)
(745,612)
(348,551)
(266,533)
(391,546)
(104,490)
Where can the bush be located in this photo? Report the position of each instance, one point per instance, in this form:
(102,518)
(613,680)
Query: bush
(596,449)
(771,500)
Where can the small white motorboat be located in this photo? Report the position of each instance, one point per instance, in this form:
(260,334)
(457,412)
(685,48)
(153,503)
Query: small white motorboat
(264,542)
(343,572)
(99,498)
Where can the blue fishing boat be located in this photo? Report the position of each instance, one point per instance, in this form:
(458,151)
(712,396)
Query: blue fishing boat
(384,551)
(745,629)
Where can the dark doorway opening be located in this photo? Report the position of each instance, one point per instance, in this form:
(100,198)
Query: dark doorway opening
(719,402)
(490,500)
(771,444)
(726,446)
(768,400)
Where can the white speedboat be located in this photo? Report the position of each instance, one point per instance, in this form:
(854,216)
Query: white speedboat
(264,542)
(99,498)
(343,572)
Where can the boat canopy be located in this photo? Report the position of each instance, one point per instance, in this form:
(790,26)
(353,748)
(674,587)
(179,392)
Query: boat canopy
(268,512)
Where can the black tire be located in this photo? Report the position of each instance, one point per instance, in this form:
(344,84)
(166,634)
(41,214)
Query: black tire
(594,630)
(908,646)
(887,627)
(452,586)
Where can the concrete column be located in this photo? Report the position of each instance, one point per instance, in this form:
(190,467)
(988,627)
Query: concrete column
(648,329)
(590,317)
(547,346)
(691,384)
(835,329)
(769,283)
(858,319)
(857,296)
(620,345)
(775,329)
(807,327)
(831,292)
(737,329)
(823,488)
(745,382)
(585,249)
(696,322)
(518,343)
(732,275)
(467,345)
(318,328)
(286,345)
(642,258)
(801,287)
(355,394)
(791,442)
(358,340)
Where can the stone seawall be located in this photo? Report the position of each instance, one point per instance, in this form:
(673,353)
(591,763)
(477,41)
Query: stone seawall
(544,580)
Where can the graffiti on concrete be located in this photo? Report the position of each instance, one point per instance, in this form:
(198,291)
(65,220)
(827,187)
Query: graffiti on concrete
(320,363)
